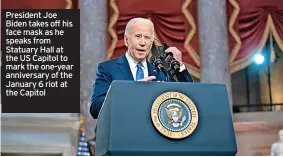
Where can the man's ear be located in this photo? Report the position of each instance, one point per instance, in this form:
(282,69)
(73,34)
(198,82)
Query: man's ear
(126,41)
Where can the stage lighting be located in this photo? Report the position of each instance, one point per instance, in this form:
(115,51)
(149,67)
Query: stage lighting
(259,58)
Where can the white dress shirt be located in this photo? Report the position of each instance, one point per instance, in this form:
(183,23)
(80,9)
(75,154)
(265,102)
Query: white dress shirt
(133,66)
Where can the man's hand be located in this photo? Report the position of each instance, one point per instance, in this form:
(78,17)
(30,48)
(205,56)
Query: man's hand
(147,79)
(176,54)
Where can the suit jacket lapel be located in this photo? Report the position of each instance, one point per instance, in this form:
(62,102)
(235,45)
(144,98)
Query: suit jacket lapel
(152,71)
(125,68)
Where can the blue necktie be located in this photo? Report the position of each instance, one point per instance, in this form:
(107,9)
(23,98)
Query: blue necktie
(139,74)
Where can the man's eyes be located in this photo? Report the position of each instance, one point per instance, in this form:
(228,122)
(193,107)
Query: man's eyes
(146,37)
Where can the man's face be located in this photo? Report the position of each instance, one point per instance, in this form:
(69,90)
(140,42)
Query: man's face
(139,40)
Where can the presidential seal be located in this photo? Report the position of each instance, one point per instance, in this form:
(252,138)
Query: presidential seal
(174,115)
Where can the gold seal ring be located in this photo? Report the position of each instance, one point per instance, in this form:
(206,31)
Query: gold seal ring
(174,115)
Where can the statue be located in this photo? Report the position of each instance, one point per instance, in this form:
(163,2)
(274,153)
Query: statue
(277,148)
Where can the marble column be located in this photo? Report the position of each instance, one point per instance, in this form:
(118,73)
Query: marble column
(212,19)
(93,50)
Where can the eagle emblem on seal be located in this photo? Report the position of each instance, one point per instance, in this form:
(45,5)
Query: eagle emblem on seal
(174,113)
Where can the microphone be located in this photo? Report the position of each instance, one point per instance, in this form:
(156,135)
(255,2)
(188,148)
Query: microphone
(164,62)
(156,62)
(173,63)
(168,57)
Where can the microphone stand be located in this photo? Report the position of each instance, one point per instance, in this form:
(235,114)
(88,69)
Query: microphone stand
(166,72)
(167,76)
(172,75)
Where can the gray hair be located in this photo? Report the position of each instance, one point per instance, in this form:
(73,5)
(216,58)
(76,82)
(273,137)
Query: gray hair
(128,26)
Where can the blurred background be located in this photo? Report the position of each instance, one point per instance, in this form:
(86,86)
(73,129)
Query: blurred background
(235,42)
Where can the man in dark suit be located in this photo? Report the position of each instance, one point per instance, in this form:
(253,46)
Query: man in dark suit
(133,65)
